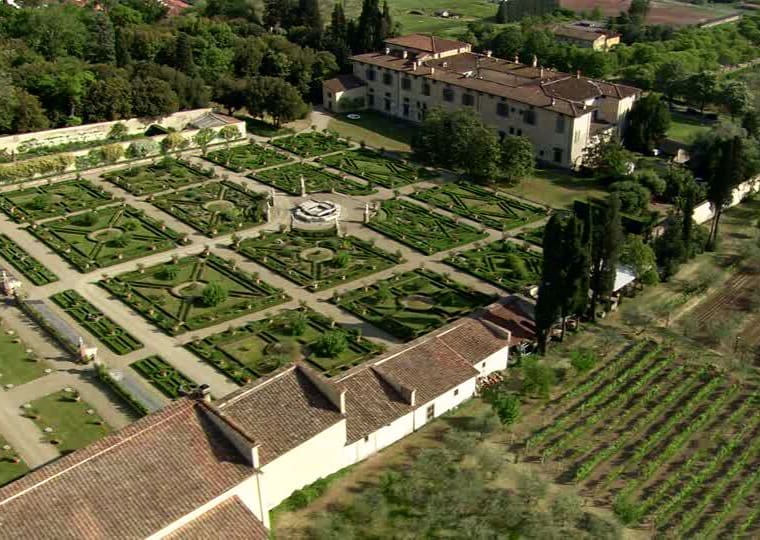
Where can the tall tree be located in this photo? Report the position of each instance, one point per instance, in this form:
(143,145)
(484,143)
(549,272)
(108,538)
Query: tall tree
(725,172)
(648,123)
(309,15)
(517,158)
(183,54)
(549,290)
(701,88)
(606,241)
(367,38)
(103,40)
(502,13)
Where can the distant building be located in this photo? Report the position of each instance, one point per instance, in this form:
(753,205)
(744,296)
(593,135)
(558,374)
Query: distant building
(587,34)
(561,114)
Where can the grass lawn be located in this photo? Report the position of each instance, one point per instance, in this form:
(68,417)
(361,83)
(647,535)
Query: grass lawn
(375,129)
(686,128)
(106,236)
(317,261)
(17,366)
(169,173)
(72,426)
(316,180)
(418,227)
(9,470)
(51,200)
(503,263)
(31,268)
(260,347)
(164,377)
(413,303)
(556,188)
(170,294)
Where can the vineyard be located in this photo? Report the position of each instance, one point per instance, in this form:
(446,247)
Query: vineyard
(672,447)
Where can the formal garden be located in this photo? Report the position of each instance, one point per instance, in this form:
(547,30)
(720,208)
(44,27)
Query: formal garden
(248,352)
(31,268)
(106,236)
(534,236)
(503,263)
(165,377)
(242,158)
(52,200)
(18,363)
(11,464)
(164,175)
(377,169)
(215,208)
(491,208)
(411,304)
(113,336)
(421,229)
(315,180)
(66,421)
(311,143)
(192,292)
(317,260)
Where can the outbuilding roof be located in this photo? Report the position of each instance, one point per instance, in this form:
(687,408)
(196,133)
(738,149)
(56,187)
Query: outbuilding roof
(230,520)
(341,83)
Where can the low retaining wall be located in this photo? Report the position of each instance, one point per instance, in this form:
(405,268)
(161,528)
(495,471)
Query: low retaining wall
(704,211)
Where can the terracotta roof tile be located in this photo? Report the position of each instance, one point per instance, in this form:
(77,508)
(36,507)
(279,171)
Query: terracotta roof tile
(474,340)
(280,412)
(343,82)
(516,314)
(431,44)
(129,484)
(231,520)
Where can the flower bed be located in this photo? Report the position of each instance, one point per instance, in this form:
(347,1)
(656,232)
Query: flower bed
(164,377)
(311,144)
(30,267)
(241,158)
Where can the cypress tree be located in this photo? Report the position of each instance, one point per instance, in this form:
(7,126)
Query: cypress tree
(606,240)
(366,38)
(183,55)
(385,26)
(502,13)
(104,40)
(576,262)
(310,15)
(338,25)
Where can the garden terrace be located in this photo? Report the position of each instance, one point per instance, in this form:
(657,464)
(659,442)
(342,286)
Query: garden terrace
(18,363)
(104,329)
(417,227)
(73,423)
(164,377)
(166,174)
(52,200)
(316,180)
(377,169)
(241,158)
(171,294)
(318,260)
(260,347)
(411,304)
(30,267)
(491,208)
(311,144)
(11,465)
(215,208)
(106,236)
(503,263)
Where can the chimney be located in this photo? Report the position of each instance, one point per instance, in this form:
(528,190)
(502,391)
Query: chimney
(554,102)
(535,60)
(542,73)
(414,65)
(432,70)
(404,54)
(578,74)
(489,53)
(204,393)
(517,58)
(387,51)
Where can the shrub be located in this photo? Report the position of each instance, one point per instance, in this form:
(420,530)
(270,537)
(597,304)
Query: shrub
(168,272)
(634,198)
(213,294)
(143,148)
(583,360)
(505,404)
(331,343)
(88,219)
(120,241)
(112,153)
(39,202)
(538,379)
(118,131)
(297,323)
(517,264)
(341,260)
(651,180)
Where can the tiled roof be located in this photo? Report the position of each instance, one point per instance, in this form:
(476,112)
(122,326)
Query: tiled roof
(371,403)
(343,82)
(127,485)
(474,339)
(515,314)
(230,520)
(580,33)
(280,412)
(425,43)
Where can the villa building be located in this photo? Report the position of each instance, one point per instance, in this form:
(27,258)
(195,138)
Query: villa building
(586,34)
(199,469)
(561,114)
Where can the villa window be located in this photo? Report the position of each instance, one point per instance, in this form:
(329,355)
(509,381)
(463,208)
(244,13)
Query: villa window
(430,413)
(406,83)
(448,94)
(529,117)
(557,155)
(468,100)
(560,124)
(502,109)
(577,136)
(371,100)
(370,74)
(387,79)
(456,392)
(425,89)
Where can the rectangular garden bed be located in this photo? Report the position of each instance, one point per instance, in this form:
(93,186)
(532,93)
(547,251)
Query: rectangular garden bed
(106,236)
(503,263)
(30,267)
(533,236)
(260,347)
(413,303)
(241,158)
(491,208)
(168,380)
(104,329)
(311,144)
(317,260)
(215,208)
(11,464)
(18,363)
(171,294)
(166,174)
(52,200)
(377,169)
(417,227)
(315,179)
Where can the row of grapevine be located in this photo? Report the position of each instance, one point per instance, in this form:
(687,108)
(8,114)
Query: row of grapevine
(736,498)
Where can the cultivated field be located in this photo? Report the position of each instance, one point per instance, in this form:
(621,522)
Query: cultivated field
(660,12)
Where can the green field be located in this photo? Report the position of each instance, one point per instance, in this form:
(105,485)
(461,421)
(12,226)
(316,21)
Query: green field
(164,377)
(375,130)
(170,295)
(104,329)
(417,227)
(503,263)
(72,427)
(241,158)
(491,208)
(413,303)
(556,188)
(52,200)
(106,236)
(376,168)
(167,174)
(317,260)
(686,128)
(316,180)
(31,268)
(215,208)
(17,366)
(258,348)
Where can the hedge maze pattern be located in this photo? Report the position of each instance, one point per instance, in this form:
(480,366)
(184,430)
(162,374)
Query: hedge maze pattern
(165,175)
(167,379)
(316,180)
(311,144)
(30,267)
(241,158)
(376,169)
(53,200)
(503,263)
